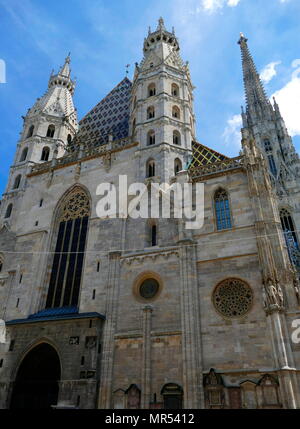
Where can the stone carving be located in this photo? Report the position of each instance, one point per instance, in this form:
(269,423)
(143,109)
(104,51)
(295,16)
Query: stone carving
(90,342)
(272,295)
(76,205)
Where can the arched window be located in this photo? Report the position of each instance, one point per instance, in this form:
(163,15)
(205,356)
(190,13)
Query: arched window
(8,211)
(30,131)
(173,395)
(133,395)
(151,90)
(267,146)
(71,231)
(153,235)
(24,154)
(177,165)
(69,139)
(150,138)
(51,131)
(45,153)
(150,112)
(17,181)
(176,137)
(175,90)
(150,169)
(288,227)
(176,112)
(272,165)
(222,209)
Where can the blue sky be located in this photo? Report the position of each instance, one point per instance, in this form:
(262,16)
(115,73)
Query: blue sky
(103,36)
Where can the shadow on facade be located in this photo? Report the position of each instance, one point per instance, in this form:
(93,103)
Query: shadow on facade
(36,384)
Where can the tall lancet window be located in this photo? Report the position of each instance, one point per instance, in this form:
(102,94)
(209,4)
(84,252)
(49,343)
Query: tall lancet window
(72,224)
(288,227)
(222,208)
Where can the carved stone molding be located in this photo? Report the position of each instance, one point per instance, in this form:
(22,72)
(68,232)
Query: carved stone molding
(140,259)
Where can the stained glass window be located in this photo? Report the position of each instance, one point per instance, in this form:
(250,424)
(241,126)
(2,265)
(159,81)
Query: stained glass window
(68,259)
(222,208)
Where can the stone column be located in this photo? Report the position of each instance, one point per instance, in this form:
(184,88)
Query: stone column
(190,326)
(107,358)
(146,357)
(278,291)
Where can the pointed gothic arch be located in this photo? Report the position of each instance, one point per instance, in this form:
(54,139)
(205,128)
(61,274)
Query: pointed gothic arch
(70,232)
(50,131)
(8,211)
(176,112)
(151,90)
(222,209)
(150,112)
(150,168)
(151,137)
(177,165)
(30,131)
(17,181)
(176,137)
(288,227)
(173,396)
(175,90)
(36,384)
(24,154)
(45,153)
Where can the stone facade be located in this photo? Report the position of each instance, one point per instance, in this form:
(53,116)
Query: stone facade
(216,333)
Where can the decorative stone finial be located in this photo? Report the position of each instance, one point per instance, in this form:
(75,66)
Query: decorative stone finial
(161,24)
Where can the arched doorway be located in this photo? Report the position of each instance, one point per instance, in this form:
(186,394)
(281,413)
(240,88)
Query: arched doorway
(173,396)
(36,384)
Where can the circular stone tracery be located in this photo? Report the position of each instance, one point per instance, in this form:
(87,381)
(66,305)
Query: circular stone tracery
(233,298)
(149,288)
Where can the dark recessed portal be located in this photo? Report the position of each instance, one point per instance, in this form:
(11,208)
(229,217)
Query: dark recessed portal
(36,384)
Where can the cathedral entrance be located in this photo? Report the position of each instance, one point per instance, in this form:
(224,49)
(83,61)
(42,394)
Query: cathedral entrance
(36,384)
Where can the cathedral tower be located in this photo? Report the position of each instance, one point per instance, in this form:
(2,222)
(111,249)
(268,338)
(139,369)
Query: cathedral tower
(49,126)
(264,123)
(162,118)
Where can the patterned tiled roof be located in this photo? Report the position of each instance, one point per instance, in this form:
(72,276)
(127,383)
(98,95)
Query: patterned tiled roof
(203,155)
(109,116)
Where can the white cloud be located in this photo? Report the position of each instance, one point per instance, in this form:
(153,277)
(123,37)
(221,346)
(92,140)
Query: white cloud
(288,99)
(232,132)
(269,71)
(233,3)
(213,5)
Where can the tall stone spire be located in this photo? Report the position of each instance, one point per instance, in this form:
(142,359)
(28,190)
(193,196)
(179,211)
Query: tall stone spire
(63,77)
(264,123)
(258,105)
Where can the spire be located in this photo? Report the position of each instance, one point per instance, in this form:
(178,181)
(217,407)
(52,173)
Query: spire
(255,94)
(159,36)
(161,25)
(63,77)
(65,70)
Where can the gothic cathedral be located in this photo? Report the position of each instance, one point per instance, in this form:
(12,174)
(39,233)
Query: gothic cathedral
(140,313)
